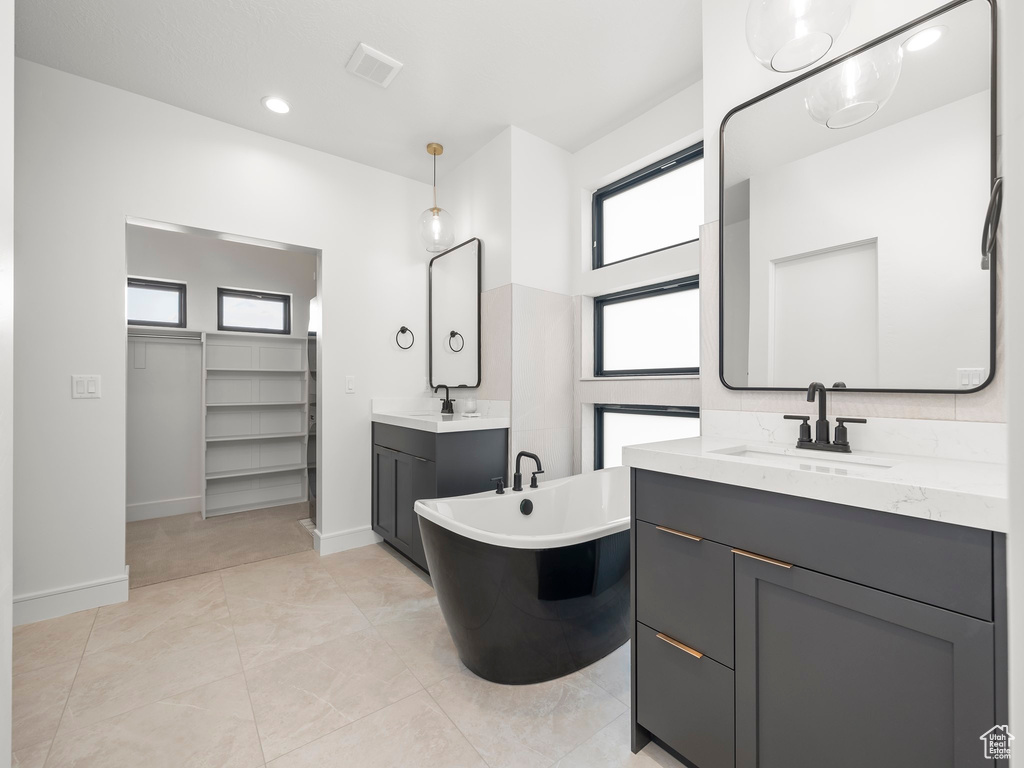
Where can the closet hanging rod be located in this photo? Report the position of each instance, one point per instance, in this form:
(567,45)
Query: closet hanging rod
(162,336)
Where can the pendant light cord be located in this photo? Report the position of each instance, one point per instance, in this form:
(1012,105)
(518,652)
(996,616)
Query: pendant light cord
(435,181)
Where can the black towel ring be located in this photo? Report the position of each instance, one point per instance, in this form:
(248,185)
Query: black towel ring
(402,330)
(451,338)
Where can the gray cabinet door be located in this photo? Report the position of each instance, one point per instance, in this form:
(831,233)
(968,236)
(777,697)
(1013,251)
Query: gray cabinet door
(415,479)
(384,490)
(833,673)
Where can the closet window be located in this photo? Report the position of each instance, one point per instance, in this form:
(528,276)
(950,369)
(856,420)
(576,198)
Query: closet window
(255,311)
(658,207)
(156,302)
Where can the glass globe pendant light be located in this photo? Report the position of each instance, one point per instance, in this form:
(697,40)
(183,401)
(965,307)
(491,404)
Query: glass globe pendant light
(436,228)
(851,92)
(790,35)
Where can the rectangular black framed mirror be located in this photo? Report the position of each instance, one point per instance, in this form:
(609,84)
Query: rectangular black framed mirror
(454,316)
(853,200)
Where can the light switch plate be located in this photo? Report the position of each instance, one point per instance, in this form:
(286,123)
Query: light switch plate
(85,386)
(350,385)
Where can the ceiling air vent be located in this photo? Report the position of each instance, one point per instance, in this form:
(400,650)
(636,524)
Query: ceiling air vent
(370,64)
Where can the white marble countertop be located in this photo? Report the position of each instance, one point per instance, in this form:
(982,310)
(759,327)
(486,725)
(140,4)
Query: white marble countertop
(426,415)
(970,493)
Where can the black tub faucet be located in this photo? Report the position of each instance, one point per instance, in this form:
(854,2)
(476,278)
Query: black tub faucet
(822,440)
(447,404)
(517,478)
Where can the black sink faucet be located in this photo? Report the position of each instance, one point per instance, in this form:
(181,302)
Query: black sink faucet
(821,441)
(517,478)
(821,426)
(447,404)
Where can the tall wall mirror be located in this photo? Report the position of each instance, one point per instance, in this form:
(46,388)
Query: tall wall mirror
(854,200)
(455,316)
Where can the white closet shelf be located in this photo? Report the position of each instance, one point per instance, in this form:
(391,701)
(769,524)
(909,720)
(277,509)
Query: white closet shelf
(255,370)
(254,471)
(268,436)
(293,403)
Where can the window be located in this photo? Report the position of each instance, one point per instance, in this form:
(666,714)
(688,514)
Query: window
(657,207)
(616,426)
(648,331)
(156,302)
(239,310)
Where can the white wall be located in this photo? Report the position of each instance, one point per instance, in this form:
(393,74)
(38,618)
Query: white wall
(89,156)
(205,263)
(541,227)
(6,362)
(164,428)
(898,191)
(1012,117)
(478,194)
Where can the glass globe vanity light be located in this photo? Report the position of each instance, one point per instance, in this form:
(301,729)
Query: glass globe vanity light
(790,35)
(851,92)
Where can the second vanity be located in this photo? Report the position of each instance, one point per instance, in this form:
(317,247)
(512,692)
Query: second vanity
(419,453)
(789,627)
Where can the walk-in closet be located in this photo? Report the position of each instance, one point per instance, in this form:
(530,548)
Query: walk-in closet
(221,415)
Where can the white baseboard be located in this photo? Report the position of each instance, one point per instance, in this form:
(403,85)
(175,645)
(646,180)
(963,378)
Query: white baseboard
(50,604)
(148,510)
(339,541)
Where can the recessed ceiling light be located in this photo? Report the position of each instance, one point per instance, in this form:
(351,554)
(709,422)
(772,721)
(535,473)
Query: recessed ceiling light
(923,39)
(276,104)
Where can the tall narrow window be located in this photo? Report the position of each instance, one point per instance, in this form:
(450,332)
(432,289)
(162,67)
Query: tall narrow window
(649,331)
(156,302)
(616,426)
(657,207)
(256,311)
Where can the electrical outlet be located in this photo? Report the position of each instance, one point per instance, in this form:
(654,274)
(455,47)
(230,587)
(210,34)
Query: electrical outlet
(85,387)
(969,378)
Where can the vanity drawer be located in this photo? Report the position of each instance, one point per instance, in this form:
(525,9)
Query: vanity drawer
(414,442)
(949,566)
(684,589)
(687,701)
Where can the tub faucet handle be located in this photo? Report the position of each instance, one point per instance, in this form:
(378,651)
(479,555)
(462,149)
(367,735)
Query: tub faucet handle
(533,478)
(501,484)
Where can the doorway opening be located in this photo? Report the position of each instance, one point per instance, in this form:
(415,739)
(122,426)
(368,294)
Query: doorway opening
(222,348)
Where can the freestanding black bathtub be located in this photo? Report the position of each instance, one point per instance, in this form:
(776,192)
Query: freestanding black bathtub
(529,598)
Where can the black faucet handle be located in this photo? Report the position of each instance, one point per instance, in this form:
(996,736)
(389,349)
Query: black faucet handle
(501,484)
(533,478)
(805,427)
(841,437)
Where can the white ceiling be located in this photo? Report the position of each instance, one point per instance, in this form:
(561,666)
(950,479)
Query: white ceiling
(568,71)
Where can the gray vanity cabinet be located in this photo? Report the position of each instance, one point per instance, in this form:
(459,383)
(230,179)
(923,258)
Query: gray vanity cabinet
(834,673)
(411,464)
(772,631)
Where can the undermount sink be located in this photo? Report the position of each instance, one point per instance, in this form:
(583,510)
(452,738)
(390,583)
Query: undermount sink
(809,460)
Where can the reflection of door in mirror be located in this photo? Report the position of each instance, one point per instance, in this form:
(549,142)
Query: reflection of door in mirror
(455,309)
(852,253)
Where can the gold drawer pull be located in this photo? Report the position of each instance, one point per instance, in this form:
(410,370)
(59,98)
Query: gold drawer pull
(762,558)
(680,646)
(674,532)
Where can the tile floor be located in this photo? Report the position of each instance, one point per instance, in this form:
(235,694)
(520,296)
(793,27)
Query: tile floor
(297,662)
